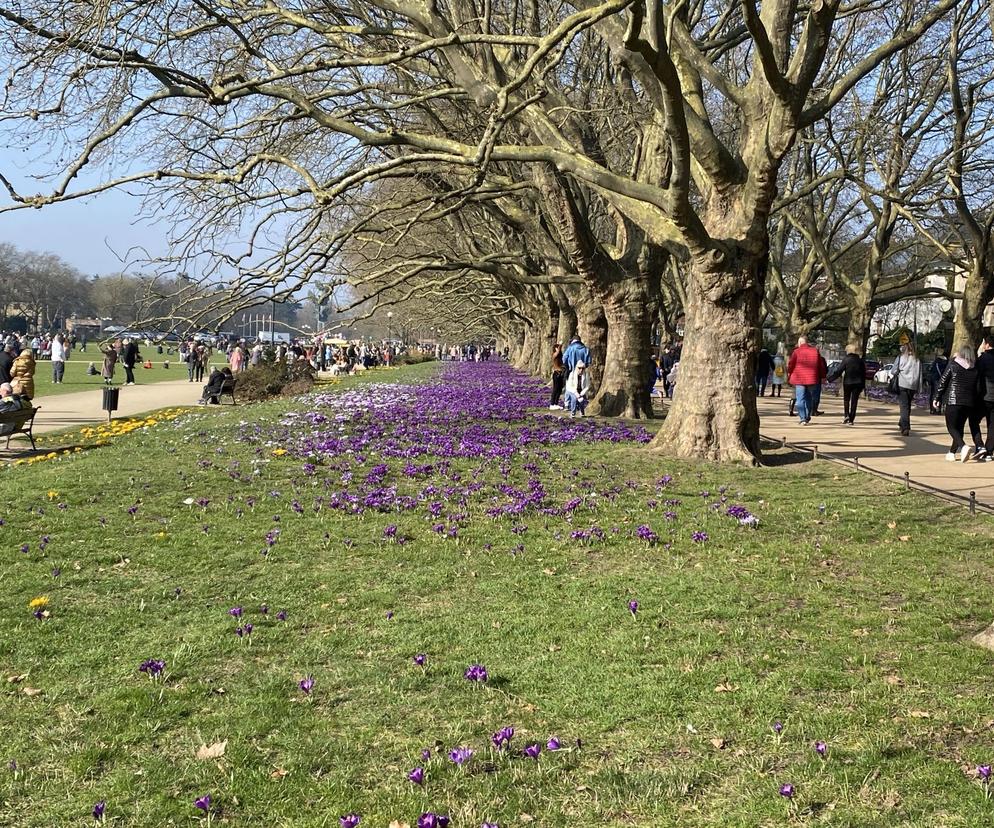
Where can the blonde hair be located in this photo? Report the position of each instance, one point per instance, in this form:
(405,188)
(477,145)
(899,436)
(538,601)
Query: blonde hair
(852,349)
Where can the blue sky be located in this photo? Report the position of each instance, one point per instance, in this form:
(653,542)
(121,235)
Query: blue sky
(93,234)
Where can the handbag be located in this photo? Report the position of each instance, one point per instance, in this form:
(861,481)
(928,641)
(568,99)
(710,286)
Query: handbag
(892,383)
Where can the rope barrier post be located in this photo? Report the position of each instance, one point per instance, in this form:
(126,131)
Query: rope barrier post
(815,452)
(907,481)
(855,462)
(783,442)
(973,503)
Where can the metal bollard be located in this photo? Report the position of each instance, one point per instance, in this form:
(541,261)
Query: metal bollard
(907,480)
(855,463)
(783,442)
(815,453)
(973,503)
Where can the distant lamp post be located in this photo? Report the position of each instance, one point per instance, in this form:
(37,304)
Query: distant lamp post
(389,324)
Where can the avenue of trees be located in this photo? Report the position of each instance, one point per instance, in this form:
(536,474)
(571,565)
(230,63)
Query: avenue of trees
(528,169)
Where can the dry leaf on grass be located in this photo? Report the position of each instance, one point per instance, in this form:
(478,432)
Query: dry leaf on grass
(17,679)
(31,691)
(920,714)
(719,743)
(215,751)
(726,688)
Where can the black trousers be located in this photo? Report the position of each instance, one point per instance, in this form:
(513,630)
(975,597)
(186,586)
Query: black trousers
(761,380)
(850,397)
(956,418)
(989,416)
(558,383)
(129,373)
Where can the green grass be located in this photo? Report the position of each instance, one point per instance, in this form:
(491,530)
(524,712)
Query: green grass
(76,378)
(829,620)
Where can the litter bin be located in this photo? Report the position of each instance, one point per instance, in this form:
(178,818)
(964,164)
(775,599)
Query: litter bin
(111,396)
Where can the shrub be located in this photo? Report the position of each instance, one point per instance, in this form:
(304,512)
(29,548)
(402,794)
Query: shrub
(274,379)
(413,358)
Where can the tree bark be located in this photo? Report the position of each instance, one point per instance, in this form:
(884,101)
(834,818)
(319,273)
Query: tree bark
(623,390)
(592,328)
(567,317)
(713,416)
(977,294)
(860,317)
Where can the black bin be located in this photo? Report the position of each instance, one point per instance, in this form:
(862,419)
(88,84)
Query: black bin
(111,397)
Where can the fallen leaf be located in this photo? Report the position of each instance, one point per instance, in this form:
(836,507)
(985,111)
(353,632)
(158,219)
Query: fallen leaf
(526,817)
(895,681)
(279,773)
(920,714)
(31,691)
(398,824)
(554,648)
(17,679)
(215,751)
(549,571)
(719,743)
(726,688)
(892,525)
(904,538)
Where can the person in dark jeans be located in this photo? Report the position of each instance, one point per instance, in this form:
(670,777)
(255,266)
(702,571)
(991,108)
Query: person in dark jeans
(935,372)
(852,370)
(764,364)
(130,357)
(558,378)
(985,393)
(908,369)
(959,386)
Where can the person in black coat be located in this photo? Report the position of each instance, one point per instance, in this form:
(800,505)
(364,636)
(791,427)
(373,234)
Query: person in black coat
(130,357)
(764,365)
(6,361)
(985,392)
(959,388)
(939,365)
(852,370)
(215,382)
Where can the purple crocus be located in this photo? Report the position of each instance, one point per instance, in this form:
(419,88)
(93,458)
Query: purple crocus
(235,612)
(489,825)
(477,673)
(984,773)
(417,775)
(553,743)
(433,820)
(699,537)
(821,749)
(281,615)
(306,684)
(349,820)
(633,607)
(98,810)
(502,738)
(152,666)
(203,803)
(777,728)
(421,659)
(425,755)
(533,751)
(787,790)
(460,755)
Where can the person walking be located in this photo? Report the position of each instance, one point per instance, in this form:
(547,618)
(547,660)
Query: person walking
(779,373)
(985,398)
(852,370)
(764,365)
(237,361)
(22,373)
(130,357)
(201,355)
(935,372)
(804,372)
(578,390)
(959,387)
(908,370)
(816,391)
(58,359)
(110,362)
(558,378)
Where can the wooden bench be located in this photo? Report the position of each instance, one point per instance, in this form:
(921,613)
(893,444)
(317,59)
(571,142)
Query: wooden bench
(22,421)
(227,390)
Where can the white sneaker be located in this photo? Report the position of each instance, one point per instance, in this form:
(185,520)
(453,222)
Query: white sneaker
(980,454)
(553,407)
(965,454)
(950,456)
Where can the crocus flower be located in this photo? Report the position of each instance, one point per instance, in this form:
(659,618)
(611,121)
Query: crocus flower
(306,684)
(152,666)
(417,775)
(489,825)
(777,728)
(984,773)
(477,673)
(553,743)
(533,751)
(821,749)
(786,790)
(264,609)
(460,755)
(235,612)
(502,738)
(432,820)
(98,809)
(421,659)
(633,607)
(349,820)
(426,755)
(203,803)
(699,537)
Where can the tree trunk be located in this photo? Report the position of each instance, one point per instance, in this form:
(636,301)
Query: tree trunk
(860,318)
(977,294)
(567,318)
(713,416)
(623,390)
(592,326)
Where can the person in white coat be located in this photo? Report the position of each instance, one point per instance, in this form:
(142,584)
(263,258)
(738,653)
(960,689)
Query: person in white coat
(58,359)
(577,390)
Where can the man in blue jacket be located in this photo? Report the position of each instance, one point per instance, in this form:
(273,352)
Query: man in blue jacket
(575,352)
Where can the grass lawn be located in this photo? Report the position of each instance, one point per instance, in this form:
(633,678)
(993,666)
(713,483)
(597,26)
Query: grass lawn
(845,616)
(76,378)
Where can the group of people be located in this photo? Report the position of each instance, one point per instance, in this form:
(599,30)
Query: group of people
(570,378)
(961,388)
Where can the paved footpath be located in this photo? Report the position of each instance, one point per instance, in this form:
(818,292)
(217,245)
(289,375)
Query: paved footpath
(877,442)
(65,411)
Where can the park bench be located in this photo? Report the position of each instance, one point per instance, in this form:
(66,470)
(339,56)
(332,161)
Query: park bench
(227,390)
(22,421)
